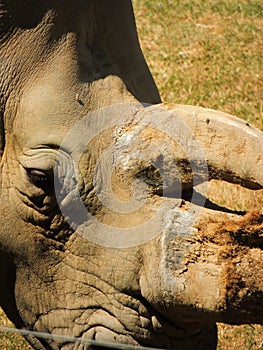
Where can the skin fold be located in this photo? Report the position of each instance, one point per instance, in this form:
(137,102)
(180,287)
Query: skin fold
(103,233)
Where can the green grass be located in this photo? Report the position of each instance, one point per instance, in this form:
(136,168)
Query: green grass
(207,53)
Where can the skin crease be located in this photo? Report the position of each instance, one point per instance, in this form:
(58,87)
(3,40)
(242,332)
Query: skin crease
(62,60)
(38,114)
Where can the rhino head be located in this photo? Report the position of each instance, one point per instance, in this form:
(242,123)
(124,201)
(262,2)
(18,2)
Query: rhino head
(106,232)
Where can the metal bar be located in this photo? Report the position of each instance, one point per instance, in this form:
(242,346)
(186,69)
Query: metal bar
(73,339)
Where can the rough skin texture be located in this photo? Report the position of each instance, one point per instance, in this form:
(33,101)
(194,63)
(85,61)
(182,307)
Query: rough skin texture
(63,60)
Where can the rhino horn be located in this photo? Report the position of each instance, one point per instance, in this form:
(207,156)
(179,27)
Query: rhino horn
(212,259)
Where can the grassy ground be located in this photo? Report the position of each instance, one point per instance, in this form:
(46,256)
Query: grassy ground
(207,53)
(10,341)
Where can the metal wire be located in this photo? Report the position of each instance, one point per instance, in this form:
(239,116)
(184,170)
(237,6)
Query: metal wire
(73,339)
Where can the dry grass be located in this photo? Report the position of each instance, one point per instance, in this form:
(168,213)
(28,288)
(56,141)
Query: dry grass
(206,53)
(10,341)
(247,337)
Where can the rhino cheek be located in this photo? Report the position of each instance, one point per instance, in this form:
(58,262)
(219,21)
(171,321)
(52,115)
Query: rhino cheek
(73,298)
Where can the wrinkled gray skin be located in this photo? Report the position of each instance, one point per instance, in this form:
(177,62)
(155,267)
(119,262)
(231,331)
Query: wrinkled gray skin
(61,60)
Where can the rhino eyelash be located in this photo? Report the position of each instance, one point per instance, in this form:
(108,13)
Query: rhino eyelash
(39,178)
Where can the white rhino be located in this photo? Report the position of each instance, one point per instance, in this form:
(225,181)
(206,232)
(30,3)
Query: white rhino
(103,234)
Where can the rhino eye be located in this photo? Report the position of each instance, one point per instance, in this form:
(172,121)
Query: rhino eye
(39,178)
